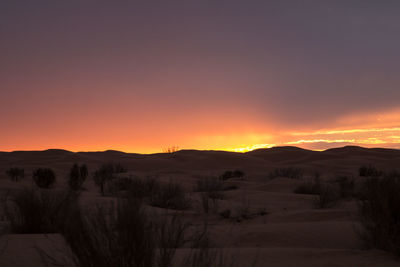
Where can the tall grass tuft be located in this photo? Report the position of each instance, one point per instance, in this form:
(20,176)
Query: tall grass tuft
(32,211)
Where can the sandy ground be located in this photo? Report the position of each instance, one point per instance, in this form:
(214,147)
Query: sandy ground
(291,233)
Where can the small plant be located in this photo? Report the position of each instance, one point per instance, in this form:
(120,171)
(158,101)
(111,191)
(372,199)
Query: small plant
(289,172)
(327,198)
(379,213)
(15,173)
(170,196)
(44,177)
(77,176)
(369,171)
(171,149)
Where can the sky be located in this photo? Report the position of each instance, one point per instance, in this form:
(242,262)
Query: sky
(142,76)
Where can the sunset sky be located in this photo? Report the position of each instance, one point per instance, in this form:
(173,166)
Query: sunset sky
(141,76)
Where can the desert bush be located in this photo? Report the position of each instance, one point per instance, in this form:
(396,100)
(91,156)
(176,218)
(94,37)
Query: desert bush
(106,173)
(44,177)
(77,176)
(238,173)
(112,236)
(171,233)
(328,197)
(225,213)
(230,187)
(289,172)
(369,171)
(119,185)
(212,186)
(346,186)
(124,235)
(15,173)
(171,196)
(311,187)
(379,213)
(231,174)
(144,188)
(208,184)
(134,187)
(37,211)
(209,203)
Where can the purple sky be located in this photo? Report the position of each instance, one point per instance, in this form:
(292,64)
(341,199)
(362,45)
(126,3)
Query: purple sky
(143,75)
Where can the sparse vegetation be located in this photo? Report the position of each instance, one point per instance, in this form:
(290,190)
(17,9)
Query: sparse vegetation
(124,235)
(209,204)
(171,196)
(15,173)
(346,186)
(379,211)
(231,174)
(328,197)
(44,177)
(37,211)
(369,171)
(171,149)
(289,172)
(311,187)
(106,173)
(77,176)
(209,184)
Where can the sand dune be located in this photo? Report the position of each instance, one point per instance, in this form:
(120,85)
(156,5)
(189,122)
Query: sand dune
(292,233)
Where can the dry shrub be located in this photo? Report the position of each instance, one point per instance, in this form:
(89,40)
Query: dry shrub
(311,187)
(379,213)
(289,172)
(171,196)
(124,235)
(38,211)
(328,197)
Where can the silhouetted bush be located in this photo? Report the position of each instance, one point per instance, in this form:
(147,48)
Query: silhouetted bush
(134,187)
(77,176)
(311,187)
(212,186)
(226,214)
(327,198)
(106,173)
(226,175)
(35,211)
(15,173)
(125,235)
(289,172)
(209,202)
(44,177)
(346,186)
(369,171)
(238,173)
(208,184)
(231,174)
(171,196)
(379,210)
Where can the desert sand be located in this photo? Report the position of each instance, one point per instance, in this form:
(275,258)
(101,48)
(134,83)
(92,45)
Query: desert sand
(282,229)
